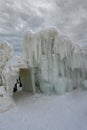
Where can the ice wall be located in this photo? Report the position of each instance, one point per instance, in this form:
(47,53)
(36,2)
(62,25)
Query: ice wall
(60,65)
(9,67)
(11,73)
(6,53)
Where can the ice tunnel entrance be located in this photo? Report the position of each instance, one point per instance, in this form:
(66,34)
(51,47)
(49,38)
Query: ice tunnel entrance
(27,80)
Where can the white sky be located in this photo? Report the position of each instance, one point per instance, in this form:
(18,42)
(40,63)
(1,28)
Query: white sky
(70,16)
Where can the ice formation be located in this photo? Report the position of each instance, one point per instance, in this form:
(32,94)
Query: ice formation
(57,65)
(11,73)
(9,67)
(6,53)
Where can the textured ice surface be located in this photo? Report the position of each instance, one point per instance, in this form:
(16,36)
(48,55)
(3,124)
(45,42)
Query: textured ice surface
(60,65)
(11,72)
(9,66)
(6,102)
(6,53)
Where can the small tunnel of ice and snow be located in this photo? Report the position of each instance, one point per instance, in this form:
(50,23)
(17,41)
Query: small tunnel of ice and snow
(17,76)
(51,64)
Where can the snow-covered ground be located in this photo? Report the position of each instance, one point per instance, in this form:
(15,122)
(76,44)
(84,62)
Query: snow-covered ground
(42,112)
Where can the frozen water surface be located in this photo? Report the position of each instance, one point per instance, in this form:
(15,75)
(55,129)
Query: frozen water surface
(41,112)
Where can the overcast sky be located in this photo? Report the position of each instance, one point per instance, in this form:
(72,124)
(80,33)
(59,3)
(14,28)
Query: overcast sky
(69,16)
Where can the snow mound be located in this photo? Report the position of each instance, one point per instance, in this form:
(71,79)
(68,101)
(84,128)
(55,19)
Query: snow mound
(6,102)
